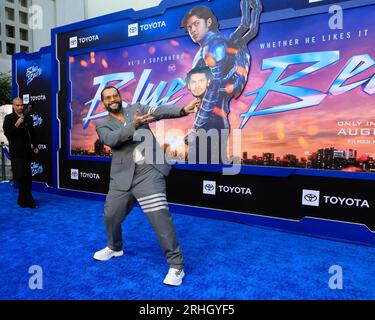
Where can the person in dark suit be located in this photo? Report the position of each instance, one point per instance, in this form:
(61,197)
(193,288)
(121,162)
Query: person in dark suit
(136,177)
(18,128)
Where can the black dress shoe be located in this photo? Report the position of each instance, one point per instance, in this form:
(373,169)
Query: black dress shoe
(32,206)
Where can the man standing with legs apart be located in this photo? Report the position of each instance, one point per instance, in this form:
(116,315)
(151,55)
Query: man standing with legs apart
(131,181)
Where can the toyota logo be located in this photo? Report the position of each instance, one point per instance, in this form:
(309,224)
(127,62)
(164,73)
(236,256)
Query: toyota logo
(209,187)
(310,197)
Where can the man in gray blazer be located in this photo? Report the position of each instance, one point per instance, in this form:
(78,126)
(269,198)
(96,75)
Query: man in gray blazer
(135,180)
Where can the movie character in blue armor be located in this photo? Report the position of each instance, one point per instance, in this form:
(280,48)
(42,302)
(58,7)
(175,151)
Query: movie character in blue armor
(229,61)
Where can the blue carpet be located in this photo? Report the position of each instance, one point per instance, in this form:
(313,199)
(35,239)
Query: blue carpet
(224,260)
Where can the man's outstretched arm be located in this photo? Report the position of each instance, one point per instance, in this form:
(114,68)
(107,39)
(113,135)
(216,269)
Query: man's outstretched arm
(257,8)
(249,26)
(169,112)
(114,138)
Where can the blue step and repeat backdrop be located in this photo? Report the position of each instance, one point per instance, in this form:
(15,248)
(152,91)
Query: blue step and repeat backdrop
(302,127)
(32,82)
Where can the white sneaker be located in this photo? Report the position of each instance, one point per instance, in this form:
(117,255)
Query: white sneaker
(106,254)
(174,277)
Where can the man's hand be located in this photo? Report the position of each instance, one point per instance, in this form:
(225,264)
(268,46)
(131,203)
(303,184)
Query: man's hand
(140,120)
(19,121)
(192,106)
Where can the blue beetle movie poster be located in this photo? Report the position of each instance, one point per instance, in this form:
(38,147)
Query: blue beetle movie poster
(300,93)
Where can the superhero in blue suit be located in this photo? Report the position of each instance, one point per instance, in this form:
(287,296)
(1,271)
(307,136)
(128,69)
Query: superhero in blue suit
(228,59)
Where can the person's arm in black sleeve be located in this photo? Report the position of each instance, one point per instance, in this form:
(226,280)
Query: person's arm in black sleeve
(9,127)
(30,127)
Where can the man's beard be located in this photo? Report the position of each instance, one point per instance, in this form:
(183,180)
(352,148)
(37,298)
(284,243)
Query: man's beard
(112,110)
(199,96)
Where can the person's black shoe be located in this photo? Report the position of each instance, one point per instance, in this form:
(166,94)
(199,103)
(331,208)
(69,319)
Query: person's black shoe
(32,206)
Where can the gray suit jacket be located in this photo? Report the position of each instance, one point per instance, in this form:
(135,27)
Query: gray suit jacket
(119,137)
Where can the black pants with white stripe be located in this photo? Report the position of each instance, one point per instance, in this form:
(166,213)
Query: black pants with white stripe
(148,188)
